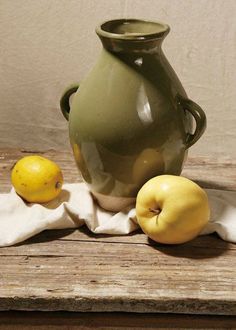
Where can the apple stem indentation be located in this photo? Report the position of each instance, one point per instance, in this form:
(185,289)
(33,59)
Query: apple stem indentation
(156,211)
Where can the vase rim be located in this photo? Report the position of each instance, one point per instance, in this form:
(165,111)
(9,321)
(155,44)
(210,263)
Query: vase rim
(132,29)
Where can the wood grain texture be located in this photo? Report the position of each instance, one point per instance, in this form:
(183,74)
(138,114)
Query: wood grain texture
(75,270)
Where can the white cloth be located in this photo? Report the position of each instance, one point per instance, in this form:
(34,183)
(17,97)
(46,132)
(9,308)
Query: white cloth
(75,207)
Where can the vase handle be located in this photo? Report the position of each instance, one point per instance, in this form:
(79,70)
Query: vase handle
(65,100)
(199,116)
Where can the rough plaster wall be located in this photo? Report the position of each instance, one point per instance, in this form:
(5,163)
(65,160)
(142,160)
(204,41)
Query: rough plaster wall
(47,44)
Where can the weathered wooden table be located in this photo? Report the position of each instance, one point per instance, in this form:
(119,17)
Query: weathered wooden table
(192,285)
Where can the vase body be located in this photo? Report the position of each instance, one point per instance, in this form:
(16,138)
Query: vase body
(130,119)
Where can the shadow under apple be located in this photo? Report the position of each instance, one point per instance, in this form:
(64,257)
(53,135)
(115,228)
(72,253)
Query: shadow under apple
(202,247)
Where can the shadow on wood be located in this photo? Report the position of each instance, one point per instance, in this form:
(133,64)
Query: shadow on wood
(110,321)
(47,236)
(204,247)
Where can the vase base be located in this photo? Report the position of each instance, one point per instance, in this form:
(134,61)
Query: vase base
(113,203)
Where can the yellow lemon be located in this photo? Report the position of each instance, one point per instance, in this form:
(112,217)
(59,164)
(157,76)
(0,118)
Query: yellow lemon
(37,179)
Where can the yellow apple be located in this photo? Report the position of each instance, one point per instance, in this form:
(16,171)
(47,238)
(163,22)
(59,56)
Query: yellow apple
(172,209)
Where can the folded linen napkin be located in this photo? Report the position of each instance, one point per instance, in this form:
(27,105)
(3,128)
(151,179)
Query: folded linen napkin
(75,207)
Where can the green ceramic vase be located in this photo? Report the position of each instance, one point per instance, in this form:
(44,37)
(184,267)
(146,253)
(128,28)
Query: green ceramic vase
(130,119)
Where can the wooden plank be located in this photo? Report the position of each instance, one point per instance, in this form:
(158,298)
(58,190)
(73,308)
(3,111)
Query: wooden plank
(90,276)
(209,172)
(75,270)
(110,321)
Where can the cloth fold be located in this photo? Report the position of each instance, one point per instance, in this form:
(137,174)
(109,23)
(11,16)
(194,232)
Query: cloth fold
(75,207)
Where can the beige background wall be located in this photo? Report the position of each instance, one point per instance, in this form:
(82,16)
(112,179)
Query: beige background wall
(47,44)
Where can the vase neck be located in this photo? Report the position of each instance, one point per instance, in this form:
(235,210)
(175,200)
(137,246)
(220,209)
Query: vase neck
(132,35)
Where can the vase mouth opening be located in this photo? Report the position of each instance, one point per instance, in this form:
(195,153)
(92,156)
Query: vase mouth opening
(132,29)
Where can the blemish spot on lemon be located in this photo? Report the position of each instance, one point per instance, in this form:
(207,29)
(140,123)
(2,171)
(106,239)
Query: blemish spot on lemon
(37,179)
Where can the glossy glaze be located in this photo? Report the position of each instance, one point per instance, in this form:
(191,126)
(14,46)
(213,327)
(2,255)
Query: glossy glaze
(130,118)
